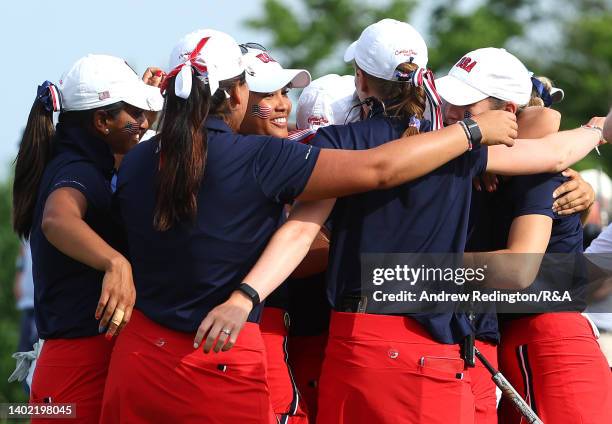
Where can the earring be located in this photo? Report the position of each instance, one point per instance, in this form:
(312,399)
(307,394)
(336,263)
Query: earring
(107,131)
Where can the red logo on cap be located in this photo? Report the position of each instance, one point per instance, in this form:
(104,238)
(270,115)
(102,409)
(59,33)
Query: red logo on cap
(466,64)
(318,120)
(265,58)
(405,52)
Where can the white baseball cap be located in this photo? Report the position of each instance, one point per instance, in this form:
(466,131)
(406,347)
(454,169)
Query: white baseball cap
(100,80)
(266,75)
(220,55)
(487,72)
(557,94)
(328,101)
(386,44)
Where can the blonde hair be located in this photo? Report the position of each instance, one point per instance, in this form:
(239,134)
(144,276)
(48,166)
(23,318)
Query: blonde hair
(410,99)
(535,99)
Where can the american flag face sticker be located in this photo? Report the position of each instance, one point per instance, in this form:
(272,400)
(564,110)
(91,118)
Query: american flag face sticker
(131,128)
(262,112)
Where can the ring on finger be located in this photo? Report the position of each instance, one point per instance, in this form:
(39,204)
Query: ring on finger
(226,331)
(118,316)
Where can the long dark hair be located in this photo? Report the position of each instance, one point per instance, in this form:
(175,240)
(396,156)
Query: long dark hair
(35,151)
(184,148)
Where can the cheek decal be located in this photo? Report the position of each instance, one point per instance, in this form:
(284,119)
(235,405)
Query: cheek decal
(262,112)
(131,128)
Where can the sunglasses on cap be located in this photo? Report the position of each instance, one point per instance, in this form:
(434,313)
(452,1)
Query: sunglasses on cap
(244,48)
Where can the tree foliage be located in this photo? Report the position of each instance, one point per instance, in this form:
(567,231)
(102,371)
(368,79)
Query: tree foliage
(9,332)
(308,39)
(570,41)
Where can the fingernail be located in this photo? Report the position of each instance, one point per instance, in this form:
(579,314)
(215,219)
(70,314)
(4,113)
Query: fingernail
(195,345)
(102,329)
(108,336)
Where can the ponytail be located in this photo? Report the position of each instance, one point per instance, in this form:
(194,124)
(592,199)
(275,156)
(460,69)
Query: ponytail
(403,99)
(34,153)
(540,94)
(184,147)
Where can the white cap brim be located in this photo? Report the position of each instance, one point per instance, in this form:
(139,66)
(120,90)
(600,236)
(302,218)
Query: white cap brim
(457,92)
(349,54)
(145,97)
(557,94)
(278,79)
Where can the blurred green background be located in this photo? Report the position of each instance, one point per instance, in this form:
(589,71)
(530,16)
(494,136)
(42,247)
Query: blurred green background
(569,41)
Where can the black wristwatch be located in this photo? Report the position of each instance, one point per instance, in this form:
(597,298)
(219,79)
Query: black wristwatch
(474,130)
(250,292)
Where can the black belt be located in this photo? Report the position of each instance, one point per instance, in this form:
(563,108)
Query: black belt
(358,304)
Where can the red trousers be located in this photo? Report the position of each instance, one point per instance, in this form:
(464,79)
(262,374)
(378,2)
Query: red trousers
(483,387)
(554,361)
(284,394)
(72,371)
(306,355)
(387,369)
(156,376)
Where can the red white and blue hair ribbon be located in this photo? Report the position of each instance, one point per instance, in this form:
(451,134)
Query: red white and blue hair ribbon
(425,78)
(183,73)
(543,93)
(49,96)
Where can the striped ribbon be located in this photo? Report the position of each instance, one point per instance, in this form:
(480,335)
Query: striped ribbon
(49,96)
(425,78)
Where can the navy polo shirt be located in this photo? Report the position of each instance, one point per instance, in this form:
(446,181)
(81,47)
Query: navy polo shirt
(67,291)
(182,273)
(480,234)
(532,195)
(429,214)
(492,215)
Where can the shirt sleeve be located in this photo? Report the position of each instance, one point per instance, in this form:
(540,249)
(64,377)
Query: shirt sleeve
(603,242)
(85,178)
(328,138)
(478,160)
(282,168)
(600,250)
(533,194)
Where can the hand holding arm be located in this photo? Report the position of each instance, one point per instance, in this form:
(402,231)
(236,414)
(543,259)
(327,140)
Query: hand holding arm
(575,195)
(282,255)
(64,227)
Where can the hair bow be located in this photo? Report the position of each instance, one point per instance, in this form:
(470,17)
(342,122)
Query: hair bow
(49,96)
(183,73)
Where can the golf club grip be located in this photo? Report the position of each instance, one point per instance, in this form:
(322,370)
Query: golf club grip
(509,391)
